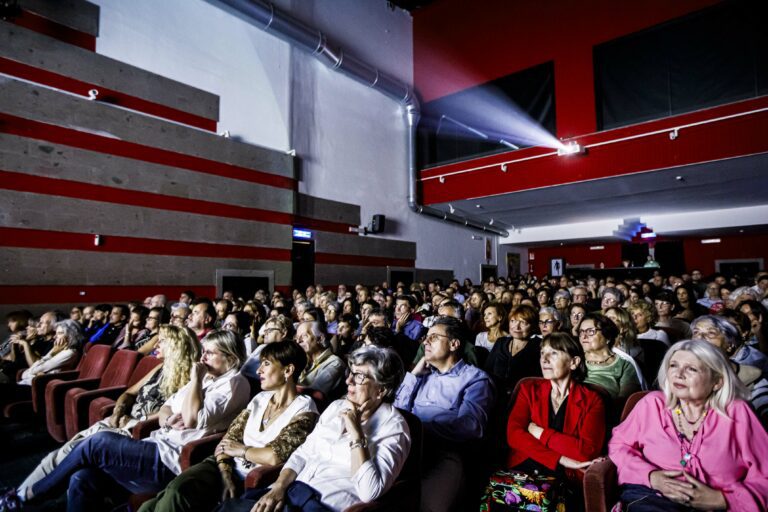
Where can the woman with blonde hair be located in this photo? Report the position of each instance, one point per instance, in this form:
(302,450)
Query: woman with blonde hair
(108,467)
(179,349)
(695,444)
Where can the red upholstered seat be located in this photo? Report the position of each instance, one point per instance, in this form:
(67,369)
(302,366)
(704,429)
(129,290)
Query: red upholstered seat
(601,487)
(91,367)
(76,399)
(101,401)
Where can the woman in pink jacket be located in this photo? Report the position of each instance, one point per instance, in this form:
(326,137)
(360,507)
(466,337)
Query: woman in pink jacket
(695,444)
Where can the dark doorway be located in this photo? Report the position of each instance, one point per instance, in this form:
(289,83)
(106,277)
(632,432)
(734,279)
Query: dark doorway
(743,269)
(636,254)
(671,257)
(244,286)
(303,259)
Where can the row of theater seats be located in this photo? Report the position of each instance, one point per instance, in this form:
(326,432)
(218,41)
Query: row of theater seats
(71,401)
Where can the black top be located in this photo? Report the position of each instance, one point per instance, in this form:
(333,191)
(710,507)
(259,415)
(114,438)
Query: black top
(557,420)
(507,369)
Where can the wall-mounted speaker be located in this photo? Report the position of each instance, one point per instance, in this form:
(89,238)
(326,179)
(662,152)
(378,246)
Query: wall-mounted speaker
(378,223)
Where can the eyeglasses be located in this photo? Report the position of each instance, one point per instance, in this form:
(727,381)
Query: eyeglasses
(576,314)
(588,332)
(546,322)
(358,378)
(434,337)
(153,318)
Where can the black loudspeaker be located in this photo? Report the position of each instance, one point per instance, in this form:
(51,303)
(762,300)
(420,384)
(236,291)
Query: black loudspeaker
(377,223)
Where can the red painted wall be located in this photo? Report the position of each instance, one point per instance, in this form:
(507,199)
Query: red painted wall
(703,256)
(577,254)
(697,255)
(494,38)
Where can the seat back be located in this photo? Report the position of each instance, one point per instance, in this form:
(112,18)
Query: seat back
(119,369)
(631,402)
(146,364)
(94,362)
(412,468)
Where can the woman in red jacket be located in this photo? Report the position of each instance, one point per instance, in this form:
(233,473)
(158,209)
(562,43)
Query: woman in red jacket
(557,425)
(557,422)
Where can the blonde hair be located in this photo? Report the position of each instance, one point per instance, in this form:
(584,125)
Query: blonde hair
(180,352)
(719,369)
(229,344)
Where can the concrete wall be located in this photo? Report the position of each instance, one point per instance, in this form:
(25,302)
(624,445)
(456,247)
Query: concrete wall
(350,139)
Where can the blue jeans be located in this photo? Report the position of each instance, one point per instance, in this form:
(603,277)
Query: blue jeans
(100,462)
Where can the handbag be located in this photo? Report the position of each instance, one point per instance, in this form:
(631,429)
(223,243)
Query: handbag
(510,490)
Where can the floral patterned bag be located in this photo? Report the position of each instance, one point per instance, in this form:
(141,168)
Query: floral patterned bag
(510,490)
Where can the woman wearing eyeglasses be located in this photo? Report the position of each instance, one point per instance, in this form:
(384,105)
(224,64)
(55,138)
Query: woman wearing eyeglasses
(107,466)
(617,376)
(356,450)
(549,321)
(270,428)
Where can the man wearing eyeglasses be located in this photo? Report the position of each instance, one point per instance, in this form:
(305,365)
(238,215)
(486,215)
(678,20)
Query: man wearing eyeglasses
(453,400)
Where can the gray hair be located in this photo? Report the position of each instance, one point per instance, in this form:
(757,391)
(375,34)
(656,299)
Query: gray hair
(230,346)
(562,293)
(317,329)
(719,368)
(553,312)
(720,323)
(386,367)
(74,332)
(612,290)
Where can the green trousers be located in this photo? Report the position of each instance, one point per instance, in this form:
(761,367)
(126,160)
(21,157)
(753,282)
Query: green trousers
(198,489)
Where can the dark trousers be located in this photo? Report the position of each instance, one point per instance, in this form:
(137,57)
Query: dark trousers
(105,464)
(198,489)
(639,498)
(298,497)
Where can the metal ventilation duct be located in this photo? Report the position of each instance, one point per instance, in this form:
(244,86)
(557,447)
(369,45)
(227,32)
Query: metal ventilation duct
(270,19)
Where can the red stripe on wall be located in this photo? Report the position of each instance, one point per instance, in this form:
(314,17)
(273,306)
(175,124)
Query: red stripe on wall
(58,240)
(42,25)
(111,96)
(361,261)
(78,190)
(111,146)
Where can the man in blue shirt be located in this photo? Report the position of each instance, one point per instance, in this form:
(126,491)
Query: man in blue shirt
(453,400)
(404,322)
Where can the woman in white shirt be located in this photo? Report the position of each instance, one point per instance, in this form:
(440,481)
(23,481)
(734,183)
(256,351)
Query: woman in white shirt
(63,356)
(273,425)
(108,466)
(357,449)
(493,317)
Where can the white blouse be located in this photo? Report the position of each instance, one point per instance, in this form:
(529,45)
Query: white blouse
(223,399)
(49,363)
(253,436)
(324,461)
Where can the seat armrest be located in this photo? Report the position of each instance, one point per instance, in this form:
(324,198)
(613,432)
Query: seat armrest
(55,392)
(195,451)
(262,476)
(601,487)
(143,428)
(40,382)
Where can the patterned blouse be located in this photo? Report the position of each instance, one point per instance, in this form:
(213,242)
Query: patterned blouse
(150,399)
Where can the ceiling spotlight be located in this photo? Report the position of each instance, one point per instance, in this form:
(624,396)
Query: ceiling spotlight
(490,223)
(674,134)
(479,206)
(441,179)
(503,167)
(451,208)
(572,148)
(681,179)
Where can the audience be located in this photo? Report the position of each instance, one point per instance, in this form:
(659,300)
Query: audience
(550,432)
(695,443)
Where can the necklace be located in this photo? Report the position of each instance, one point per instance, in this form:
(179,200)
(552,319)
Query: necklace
(685,451)
(610,356)
(270,414)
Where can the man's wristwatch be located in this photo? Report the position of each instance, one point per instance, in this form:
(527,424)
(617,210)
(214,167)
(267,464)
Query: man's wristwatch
(360,443)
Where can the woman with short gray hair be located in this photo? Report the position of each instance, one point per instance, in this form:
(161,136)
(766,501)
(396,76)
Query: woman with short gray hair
(63,356)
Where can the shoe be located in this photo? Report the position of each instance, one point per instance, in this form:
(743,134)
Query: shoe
(9,501)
